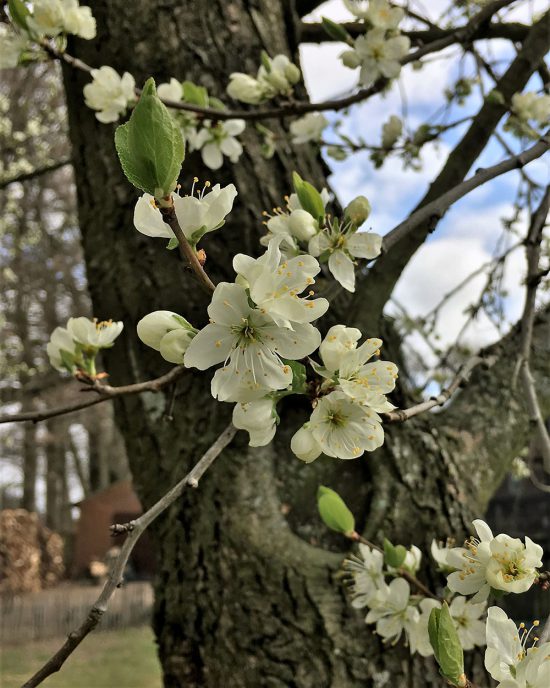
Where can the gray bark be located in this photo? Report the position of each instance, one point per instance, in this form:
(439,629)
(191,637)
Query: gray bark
(247,591)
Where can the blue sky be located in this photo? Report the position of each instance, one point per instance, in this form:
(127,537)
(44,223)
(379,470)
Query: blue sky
(468,235)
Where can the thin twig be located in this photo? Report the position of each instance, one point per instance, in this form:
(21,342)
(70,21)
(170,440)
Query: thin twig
(431,212)
(402,415)
(186,250)
(104,392)
(52,167)
(115,578)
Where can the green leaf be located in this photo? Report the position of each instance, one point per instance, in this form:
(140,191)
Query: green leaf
(394,556)
(333,511)
(172,244)
(334,30)
(266,62)
(19,13)
(451,655)
(433,626)
(150,145)
(310,199)
(197,95)
(299,375)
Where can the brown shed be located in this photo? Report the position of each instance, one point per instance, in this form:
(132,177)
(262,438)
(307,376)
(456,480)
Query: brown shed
(117,503)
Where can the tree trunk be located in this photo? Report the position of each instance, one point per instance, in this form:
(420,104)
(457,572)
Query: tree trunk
(247,591)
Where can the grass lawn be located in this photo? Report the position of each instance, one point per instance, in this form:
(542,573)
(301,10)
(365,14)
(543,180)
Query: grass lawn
(108,659)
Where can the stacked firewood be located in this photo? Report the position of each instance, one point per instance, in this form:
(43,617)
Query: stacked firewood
(31,555)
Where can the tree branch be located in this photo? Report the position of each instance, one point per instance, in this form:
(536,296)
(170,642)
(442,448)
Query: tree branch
(380,280)
(104,392)
(116,574)
(35,173)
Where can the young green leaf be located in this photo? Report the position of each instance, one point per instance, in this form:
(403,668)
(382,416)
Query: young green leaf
(433,629)
(197,95)
(299,375)
(19,13)
(334,30)
(446,645)
(394,555)
(310,199)
(333,511)
(150,145)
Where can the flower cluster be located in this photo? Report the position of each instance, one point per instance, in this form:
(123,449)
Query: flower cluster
(396,611)
(52,17)
(508,657)
(345,421)
(214,140)
(333,241)
(488,562)
(530,111)
(75,346)
(276,77)
(110,94)
(308,128)
(380,50)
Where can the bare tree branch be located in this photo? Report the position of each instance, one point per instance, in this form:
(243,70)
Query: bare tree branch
(104,392)
(35,173)
(135,529)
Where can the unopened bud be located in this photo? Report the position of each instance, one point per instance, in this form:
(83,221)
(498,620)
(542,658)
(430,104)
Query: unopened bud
(358,210)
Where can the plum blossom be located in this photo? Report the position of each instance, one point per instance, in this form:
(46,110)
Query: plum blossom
(304,446)
(196,214)
(391,131)
(258,419)
(377,55)
(13,45)
(367,570)
(245,88)
(61,349)
(308,128)
(166,332)
(470,628)
(419,639)
(276,77)
(94,334)
(391,612)
(508,658)
(342,429)
(109,93)
(218,140)
(52,17)
(500,562)
(249,344)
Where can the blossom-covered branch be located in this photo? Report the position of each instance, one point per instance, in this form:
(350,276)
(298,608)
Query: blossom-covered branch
(135,530)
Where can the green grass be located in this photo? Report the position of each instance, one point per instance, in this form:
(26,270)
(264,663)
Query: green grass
(108,659)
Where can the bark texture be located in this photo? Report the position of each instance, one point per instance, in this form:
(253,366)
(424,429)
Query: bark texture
(248,592)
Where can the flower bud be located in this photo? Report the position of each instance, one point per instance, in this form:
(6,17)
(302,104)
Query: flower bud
(292,73)
(245,88)
(304,445)
(358,210)
(350,59)
(302,225)
(154,326)
(174,345)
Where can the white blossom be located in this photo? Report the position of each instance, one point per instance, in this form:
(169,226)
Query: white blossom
(509,659)
(93,333)
(419,639)
(308,128)
(258,419)
(166,332)
(109,93)
(304,445)
(343,244)
(281,76)
(469,626)
(61,340)
(391,611)
(172,90)
(196,214)
(377,55)
(216,140)
(275,286)
(51,17)
(383,16)
(346,363)
(500,562)
(249,344)
(532,106)
(12,46)
(367,569)
(344,429)
(440,553)
(245,88)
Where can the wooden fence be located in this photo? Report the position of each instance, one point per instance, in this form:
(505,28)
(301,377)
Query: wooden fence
(56,612)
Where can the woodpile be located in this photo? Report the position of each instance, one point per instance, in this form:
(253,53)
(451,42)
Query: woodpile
(31,555)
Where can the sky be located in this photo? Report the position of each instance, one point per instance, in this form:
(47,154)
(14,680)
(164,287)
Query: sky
(469,234)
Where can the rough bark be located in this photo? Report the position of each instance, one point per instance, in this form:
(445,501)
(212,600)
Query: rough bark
(247,591)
